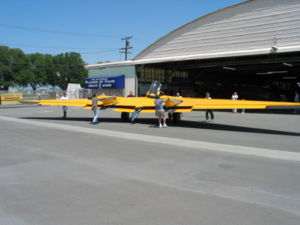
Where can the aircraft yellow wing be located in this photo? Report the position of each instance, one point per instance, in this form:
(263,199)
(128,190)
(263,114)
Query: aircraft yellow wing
(146,104)
(104,101)
(131,104)
(86,103)
(190,104)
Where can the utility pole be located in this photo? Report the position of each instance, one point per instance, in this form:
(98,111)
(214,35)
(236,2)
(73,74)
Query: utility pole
(127,46)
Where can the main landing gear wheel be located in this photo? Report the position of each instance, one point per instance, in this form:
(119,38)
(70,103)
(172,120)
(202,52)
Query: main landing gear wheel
(125,116)
(176,117)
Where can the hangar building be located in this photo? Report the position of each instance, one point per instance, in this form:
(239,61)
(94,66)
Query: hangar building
(252,48)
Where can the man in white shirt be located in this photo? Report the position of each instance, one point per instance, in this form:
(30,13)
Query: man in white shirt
(95,109)
(209,111)
(65,108)
(234,97)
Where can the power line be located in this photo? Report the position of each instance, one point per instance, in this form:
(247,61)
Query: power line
(58,47)
(11,26)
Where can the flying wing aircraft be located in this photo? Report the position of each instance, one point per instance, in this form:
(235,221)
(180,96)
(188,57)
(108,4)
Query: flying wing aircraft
(174,105)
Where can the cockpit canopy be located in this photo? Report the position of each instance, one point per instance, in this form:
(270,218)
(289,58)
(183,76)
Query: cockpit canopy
(154,89)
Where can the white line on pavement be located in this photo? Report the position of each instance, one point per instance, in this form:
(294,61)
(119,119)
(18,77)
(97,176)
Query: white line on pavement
(236,149)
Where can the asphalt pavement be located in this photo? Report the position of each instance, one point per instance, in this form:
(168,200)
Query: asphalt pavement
(238,169)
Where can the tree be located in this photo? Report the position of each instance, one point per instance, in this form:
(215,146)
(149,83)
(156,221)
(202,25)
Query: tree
(70,69)
(50,70)
(37,73)
(17,68)
(13,63)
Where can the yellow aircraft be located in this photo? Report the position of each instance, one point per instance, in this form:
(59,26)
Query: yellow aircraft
(174,105)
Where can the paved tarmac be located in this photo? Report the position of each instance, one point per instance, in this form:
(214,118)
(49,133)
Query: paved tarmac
(238,169)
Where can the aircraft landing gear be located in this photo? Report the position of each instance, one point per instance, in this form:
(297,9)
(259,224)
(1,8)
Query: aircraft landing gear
(176,117)
(125,116)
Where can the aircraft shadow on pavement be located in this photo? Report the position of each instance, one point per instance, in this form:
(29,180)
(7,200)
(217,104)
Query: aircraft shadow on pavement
(184,123)
(225,127)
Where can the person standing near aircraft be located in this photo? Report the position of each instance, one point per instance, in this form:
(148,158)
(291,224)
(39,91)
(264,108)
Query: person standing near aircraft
(95,109)
(296,99)
(39,97)
(178,94)
(160,112)
(234,97)
(64,107)
(130,94)
(209,111)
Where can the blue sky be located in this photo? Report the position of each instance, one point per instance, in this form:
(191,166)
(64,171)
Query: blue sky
(94,28)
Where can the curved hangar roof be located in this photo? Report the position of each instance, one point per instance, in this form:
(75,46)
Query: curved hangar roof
(248,28)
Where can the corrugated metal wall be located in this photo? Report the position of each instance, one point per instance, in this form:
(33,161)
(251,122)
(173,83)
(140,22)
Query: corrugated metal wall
(128,71)
(249,26)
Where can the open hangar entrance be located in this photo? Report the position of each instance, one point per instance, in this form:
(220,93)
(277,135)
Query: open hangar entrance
(259,77)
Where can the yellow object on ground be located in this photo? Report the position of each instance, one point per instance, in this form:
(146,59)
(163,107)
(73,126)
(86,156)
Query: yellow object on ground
(10,98)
